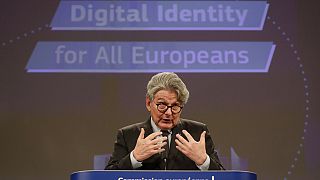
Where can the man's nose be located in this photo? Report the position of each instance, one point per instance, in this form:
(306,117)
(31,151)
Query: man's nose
(168,112)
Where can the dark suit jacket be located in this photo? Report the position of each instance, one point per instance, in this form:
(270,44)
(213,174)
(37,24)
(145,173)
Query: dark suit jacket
(126,141)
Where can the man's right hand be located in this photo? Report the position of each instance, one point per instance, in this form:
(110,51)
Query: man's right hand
(146,147)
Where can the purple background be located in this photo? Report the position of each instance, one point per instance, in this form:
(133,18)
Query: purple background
(54,124)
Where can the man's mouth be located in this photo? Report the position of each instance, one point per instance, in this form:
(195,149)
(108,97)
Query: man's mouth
(166,120)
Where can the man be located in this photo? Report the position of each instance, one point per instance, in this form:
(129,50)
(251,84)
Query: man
(165,141)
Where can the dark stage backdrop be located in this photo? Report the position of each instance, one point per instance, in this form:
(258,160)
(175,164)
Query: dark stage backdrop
(52,124)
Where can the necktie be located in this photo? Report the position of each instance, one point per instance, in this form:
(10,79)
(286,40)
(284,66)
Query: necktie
(165,153)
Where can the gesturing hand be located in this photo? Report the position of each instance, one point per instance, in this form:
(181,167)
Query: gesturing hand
(194,150)
(146,147)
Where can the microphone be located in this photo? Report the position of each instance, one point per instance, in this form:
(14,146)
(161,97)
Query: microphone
(165,153)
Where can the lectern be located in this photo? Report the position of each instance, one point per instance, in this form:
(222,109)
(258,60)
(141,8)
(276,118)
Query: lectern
(162,175)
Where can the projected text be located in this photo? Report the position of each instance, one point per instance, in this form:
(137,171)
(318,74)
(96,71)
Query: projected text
(151,57)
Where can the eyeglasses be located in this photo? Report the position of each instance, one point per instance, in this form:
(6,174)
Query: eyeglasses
(163,108)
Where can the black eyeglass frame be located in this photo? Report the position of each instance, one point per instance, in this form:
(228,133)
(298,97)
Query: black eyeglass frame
(165,110)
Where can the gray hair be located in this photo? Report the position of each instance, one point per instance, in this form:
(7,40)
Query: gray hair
(168,81)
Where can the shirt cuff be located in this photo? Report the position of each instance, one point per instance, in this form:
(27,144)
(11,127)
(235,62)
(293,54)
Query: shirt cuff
(136,164)
(205,165)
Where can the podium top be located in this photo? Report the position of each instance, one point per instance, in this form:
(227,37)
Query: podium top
(162,175)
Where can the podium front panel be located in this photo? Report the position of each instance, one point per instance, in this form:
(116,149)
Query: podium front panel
(162,175)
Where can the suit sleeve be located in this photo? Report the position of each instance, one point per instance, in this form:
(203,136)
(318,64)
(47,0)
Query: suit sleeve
(120,158)
(215,163)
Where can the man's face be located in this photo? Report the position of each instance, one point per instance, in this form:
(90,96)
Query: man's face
(164,120)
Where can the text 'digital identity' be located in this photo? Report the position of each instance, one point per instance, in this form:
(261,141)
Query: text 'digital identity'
(160,15)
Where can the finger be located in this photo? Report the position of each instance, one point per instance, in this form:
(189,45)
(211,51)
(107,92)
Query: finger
(181,139)
(181,150)
(154,146)
(141,135)
(178,143)
(157,140)
(202,137)
(160,145)
(153,135)
(189,137)
(155,151)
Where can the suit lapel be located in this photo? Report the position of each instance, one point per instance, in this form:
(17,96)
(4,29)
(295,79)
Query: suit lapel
(147,128)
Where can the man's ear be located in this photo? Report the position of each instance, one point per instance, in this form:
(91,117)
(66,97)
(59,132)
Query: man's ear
(148,104)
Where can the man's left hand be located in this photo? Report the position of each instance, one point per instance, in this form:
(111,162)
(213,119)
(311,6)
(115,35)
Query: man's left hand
(195,150)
